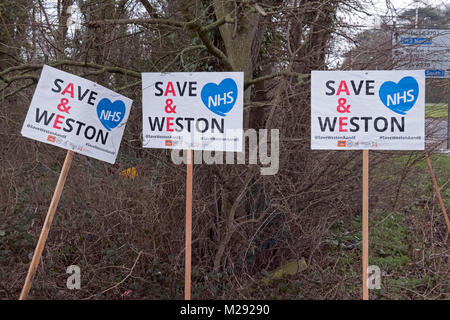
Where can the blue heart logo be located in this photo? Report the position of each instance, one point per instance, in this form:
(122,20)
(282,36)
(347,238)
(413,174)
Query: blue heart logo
(221,98)
(399,97)
(110,114)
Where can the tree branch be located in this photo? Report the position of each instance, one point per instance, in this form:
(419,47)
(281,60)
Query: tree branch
(216,24)
(180,55)
(203,34)
(121,281)
(30,67)
(150,9)
(139,21)
(17,90)
(300,76)
(193,25)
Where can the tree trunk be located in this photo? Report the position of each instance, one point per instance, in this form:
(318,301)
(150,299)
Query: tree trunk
(238,39)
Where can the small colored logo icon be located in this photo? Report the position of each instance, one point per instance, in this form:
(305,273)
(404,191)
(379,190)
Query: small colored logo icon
(51,138)
(110,113)
(342,143)
(399,97)
(221,98)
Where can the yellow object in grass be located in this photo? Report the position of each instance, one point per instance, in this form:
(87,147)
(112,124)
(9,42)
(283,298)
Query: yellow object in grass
(289,269)
(129,173)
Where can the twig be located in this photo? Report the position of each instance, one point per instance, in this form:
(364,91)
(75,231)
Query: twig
(120,282)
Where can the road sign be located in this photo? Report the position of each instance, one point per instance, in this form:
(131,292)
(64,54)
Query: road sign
(427,49)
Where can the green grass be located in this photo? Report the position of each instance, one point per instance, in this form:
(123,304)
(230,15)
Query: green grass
(441,168)
(396,245)
(436,110)
(422,179)
(389,239)
(439,162)
(400,244)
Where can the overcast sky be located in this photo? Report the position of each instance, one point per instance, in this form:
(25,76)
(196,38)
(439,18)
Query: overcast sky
(383,7)
(408,4)
(377,8)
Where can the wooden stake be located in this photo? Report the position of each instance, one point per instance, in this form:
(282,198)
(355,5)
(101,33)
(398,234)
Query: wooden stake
(365,223)
(46,227)
(448,115)
(438,192)
(187,265)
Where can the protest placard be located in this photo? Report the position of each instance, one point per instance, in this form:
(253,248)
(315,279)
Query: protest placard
(381,110)
(192,111)
(363,110)
(77,114)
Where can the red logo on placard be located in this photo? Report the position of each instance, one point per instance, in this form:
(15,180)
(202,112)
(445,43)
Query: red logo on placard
(51,138)
(169,143)
(342,143)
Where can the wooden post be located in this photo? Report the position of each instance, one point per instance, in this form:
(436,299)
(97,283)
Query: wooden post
(46,227)
(365,223)
(438,192)
(448,115)
(187,265)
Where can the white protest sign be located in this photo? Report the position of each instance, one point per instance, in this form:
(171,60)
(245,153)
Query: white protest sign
(77,114)
(196,111)
(381,110)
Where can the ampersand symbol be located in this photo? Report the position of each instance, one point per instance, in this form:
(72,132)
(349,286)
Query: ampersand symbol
(169,108)
(341,108)
(63,105)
